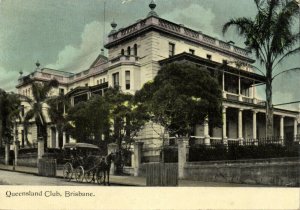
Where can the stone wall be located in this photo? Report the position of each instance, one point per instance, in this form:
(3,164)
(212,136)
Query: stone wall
(28,160)
(275,172)
(2,160)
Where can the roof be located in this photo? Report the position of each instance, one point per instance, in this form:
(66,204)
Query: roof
(56,72)
(212,64)
(80,145)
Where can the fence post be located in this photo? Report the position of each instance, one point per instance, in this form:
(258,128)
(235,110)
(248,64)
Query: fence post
(182,156)
(137,149)
(17,147)
(112,148)
(7,149)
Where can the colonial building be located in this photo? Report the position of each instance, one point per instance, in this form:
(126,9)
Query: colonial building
(135,55)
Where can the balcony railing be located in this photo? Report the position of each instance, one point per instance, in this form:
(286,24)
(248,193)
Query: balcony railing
(242,98)
(176,29)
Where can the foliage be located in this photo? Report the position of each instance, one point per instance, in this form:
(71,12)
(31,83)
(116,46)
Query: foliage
(89,120)
(127,118)
(9,113)
(270,35)
(40,93)
(180,97)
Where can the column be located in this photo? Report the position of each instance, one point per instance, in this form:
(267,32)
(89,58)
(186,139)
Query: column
(182,156)
(56,139)
(281,127)
(254,125)
(64,138)
(295,129)
(224,125)
(240,124)
(240,96)
(206,132)
(223,85)
(137,149)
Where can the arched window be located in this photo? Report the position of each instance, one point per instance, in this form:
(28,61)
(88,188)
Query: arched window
(122,52)
(135,50)
(128,50)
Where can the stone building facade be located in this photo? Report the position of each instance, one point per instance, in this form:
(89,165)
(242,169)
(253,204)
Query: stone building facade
(135,55)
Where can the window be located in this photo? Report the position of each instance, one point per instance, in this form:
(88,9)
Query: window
(171,49)
(225,62)
(127,80)
(61,91)
(135,50)
(100,81)
(97,82)
(128,50)
(122,52)
(22,110)
(103,80)
(116,80)
(192,51)
(208,56)
(86,84)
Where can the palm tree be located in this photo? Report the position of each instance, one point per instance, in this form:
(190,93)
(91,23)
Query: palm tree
(270,35)
(40,92)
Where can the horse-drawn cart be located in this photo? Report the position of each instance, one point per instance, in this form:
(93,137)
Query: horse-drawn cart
(83,161)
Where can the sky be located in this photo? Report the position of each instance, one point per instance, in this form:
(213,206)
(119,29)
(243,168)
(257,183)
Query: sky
(69,34)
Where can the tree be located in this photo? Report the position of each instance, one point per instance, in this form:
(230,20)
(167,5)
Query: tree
(270,35)
(9,112)
(38,105)
(89,120)
(182,96)
(127,118)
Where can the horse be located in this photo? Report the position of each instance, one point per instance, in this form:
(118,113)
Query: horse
(104,167)
(100,167)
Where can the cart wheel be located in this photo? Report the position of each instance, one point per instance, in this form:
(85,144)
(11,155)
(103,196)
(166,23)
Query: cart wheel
(79,174)
(100,177)
(68,171)
(89,175)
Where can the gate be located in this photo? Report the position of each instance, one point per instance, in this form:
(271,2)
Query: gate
(47,167)
(162,174)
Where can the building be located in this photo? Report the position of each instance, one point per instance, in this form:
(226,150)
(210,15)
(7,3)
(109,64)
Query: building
(135,55)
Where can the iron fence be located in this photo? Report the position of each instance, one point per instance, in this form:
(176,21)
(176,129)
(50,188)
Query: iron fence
(234,149)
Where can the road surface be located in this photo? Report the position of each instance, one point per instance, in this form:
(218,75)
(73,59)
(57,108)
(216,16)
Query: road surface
(16,178)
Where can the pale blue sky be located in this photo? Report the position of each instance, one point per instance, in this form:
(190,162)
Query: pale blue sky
(68,34)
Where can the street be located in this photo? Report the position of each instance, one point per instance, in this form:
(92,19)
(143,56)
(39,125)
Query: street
(16,178)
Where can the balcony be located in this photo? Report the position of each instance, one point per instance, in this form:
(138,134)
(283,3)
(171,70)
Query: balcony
(124,59)
(242,98)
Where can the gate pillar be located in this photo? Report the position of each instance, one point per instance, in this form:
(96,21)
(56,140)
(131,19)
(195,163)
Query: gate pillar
(182,156)
(7,149)
(41,147)
(137,149)
(112,148)
(17,147)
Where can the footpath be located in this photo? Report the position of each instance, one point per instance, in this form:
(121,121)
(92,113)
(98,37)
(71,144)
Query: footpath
(125,180)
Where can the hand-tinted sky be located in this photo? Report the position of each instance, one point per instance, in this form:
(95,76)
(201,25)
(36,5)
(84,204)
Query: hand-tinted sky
(68,34)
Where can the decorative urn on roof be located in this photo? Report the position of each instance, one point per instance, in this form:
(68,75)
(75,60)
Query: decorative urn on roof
(152,6)
(114,26)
